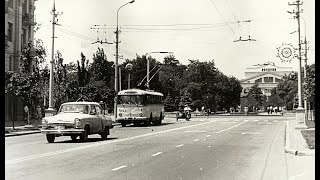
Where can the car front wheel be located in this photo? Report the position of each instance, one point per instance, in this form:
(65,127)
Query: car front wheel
(84,135)
(50,138)
(105,133)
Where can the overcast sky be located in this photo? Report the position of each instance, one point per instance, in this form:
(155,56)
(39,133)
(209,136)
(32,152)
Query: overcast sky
(191,29)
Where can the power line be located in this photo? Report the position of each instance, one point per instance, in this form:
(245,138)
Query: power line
(222,16)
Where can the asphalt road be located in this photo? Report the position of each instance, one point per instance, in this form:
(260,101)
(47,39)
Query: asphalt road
(204,148)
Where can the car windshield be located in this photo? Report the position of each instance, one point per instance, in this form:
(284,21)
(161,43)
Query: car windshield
(132,99)
(74,108)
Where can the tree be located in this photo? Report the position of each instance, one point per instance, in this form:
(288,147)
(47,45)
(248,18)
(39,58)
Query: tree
(169,104)
(288,89)
(255,96)
(26,82)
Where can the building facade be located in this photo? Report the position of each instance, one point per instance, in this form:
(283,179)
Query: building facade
(19,29)
(266,75)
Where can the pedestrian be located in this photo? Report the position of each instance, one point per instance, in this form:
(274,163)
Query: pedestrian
(39,113)
(202,109)
(271,109)
(26,114)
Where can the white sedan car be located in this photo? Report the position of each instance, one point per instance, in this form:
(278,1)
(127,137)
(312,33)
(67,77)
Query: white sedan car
(77,119)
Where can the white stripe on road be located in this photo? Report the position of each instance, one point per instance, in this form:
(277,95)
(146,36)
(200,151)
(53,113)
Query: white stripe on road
(194,131)
(208,135)
(255,120)
(196,140)
(180,145)
(116,169)
(232,127)
(250,133)
(97,144)
(156,154)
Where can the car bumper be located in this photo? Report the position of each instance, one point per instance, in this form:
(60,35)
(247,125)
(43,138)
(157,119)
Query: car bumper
(119,119)
(62,131)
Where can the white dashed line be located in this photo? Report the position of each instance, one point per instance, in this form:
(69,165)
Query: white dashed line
(250,133)
(116,169)
(208,135)
(209,146)
(156,154)
(27,158)
(255,120)
(231,127)
(196,140)
(180,145)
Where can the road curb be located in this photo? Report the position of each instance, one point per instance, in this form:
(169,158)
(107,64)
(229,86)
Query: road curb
(21,133)
(294,151)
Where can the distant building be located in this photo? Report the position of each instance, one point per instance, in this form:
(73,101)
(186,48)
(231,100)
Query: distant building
(19,29)
(267,75)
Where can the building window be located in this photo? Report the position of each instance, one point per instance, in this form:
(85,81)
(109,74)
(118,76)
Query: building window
(268,79)
(10,30)
(11,63)
(277,80)
(10,4)
(23,38)
(25,7)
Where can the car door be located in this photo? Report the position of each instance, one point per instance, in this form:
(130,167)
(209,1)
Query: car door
(94,119)
(100,122)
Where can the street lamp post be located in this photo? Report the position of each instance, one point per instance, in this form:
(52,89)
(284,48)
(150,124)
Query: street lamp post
(148,66)
(116,84)
(300,116)
(305,68)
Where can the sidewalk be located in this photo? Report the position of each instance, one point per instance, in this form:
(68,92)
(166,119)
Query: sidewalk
(295,143)
(300,159)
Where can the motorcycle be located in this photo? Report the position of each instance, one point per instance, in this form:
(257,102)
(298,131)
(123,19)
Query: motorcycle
(184,115)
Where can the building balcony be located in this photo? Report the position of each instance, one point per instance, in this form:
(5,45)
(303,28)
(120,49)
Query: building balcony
(6,45)
(28,20)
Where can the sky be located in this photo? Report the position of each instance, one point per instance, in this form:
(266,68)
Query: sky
(192,29)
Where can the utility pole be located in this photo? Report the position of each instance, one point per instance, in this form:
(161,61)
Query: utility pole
(51,111)
(300,116)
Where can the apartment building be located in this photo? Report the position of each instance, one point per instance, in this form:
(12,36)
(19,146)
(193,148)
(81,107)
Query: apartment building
(19,29)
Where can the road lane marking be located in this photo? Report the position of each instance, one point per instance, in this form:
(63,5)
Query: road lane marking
(120,167)
(250,133)
(208,135)
(180,145)
(196,140)
(255,120)
(98,144)
(156,154)
(193,131)
(209,146)
(232,127)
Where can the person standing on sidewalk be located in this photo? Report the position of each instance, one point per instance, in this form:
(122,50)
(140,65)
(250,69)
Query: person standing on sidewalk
(39,113)
(26,115)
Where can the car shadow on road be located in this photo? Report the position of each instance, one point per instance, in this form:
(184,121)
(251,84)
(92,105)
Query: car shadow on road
(90,140)
(142,125)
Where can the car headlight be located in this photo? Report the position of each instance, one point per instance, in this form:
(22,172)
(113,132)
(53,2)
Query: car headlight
(120,114)
(77,123)
(44,122)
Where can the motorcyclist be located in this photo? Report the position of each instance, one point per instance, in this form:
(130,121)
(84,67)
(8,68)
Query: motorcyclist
(187,112)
